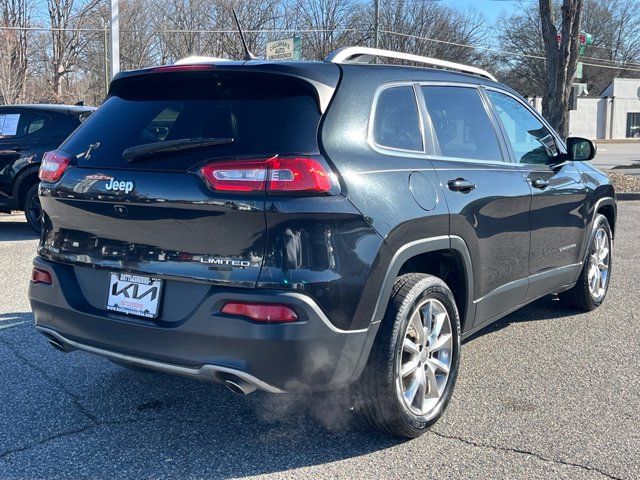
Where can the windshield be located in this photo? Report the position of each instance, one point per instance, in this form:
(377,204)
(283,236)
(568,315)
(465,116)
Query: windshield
(264,115)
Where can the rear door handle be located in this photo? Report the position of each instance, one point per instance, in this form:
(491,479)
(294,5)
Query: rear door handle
(539,183)
(461,185)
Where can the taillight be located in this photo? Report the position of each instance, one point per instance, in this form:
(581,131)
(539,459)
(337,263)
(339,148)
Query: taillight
(236,176)
(261,312)
(41,276)
(53,165)
(276,174)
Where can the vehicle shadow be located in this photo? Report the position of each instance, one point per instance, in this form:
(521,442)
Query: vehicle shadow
(142,418)
(12,228)
(243,436)
(548,307)
(138,419)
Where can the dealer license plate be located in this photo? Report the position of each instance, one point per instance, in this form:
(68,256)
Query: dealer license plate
(134,294)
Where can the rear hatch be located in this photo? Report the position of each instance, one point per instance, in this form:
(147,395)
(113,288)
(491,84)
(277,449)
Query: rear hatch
(134,197)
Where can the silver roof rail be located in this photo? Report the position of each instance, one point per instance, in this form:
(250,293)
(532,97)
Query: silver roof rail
(366,55)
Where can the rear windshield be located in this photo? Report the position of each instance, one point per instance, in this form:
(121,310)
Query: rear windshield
(264,115)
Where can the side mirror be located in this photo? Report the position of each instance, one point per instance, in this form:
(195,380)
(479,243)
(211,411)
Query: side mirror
(581,149)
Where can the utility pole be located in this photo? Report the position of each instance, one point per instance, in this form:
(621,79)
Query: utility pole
(115,38)
(107,77)
(376,23)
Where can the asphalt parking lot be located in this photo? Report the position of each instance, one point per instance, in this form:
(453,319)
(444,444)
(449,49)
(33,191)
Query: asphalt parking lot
(544,393)
(620,157)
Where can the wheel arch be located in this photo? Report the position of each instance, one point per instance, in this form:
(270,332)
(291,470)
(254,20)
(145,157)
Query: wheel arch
(410,257)
(608,208)
(27,178)
(444,256)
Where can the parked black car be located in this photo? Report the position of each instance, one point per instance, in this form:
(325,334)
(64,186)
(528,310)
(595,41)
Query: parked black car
(26,132)
(295,226)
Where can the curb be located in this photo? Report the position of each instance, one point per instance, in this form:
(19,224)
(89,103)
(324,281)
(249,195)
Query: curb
(619,141)
(628,196)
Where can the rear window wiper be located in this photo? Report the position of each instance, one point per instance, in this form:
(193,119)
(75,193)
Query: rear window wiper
(146,150)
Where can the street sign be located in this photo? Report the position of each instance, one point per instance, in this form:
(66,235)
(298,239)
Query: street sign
(585,39)
(285,49)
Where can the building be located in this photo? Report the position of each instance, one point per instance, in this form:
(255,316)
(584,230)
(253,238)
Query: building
(615,114)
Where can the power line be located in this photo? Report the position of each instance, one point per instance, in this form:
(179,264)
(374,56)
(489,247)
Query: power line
(168,30)
(504,52)
(325,30)
(622,62)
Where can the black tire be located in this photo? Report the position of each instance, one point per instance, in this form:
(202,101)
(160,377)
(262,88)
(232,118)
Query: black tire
(32,208)
(580,296)
(378,395)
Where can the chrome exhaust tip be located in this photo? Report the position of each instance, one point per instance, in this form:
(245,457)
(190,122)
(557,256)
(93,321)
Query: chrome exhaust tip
(238,385)
(57,344)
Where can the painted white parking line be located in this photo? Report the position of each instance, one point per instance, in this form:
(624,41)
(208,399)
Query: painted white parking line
(14,324)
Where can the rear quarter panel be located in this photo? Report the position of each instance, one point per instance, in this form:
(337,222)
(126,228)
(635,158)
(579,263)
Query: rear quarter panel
(377,184)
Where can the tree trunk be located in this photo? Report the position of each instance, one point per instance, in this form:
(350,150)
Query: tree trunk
(562,60)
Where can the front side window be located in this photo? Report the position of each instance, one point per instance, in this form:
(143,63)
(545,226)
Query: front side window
(530,140)
(397,123)
(461,124)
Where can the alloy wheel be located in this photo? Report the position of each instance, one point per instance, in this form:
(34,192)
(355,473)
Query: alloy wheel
(425,359)
(599,261)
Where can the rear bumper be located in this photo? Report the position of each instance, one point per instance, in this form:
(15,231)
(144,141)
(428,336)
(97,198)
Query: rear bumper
(311,354)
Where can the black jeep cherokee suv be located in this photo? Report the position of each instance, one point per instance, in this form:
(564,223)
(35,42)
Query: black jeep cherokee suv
(26,132)
(293,226)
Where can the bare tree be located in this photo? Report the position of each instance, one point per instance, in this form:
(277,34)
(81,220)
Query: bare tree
(562,59)
(178,23)
(522,65)
(137,38)
(432,29)
(67,44)
(615,28)
(332,20)
(13,49)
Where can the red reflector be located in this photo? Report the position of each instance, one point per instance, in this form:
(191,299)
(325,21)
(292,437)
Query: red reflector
(41,276)
(296,174)
(261,312)
(53,165)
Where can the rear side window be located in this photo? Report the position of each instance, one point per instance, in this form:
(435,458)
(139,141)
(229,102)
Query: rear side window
(461,124)
(264,114)
(36,123)
(9,124)
(396,123)
(22,124)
